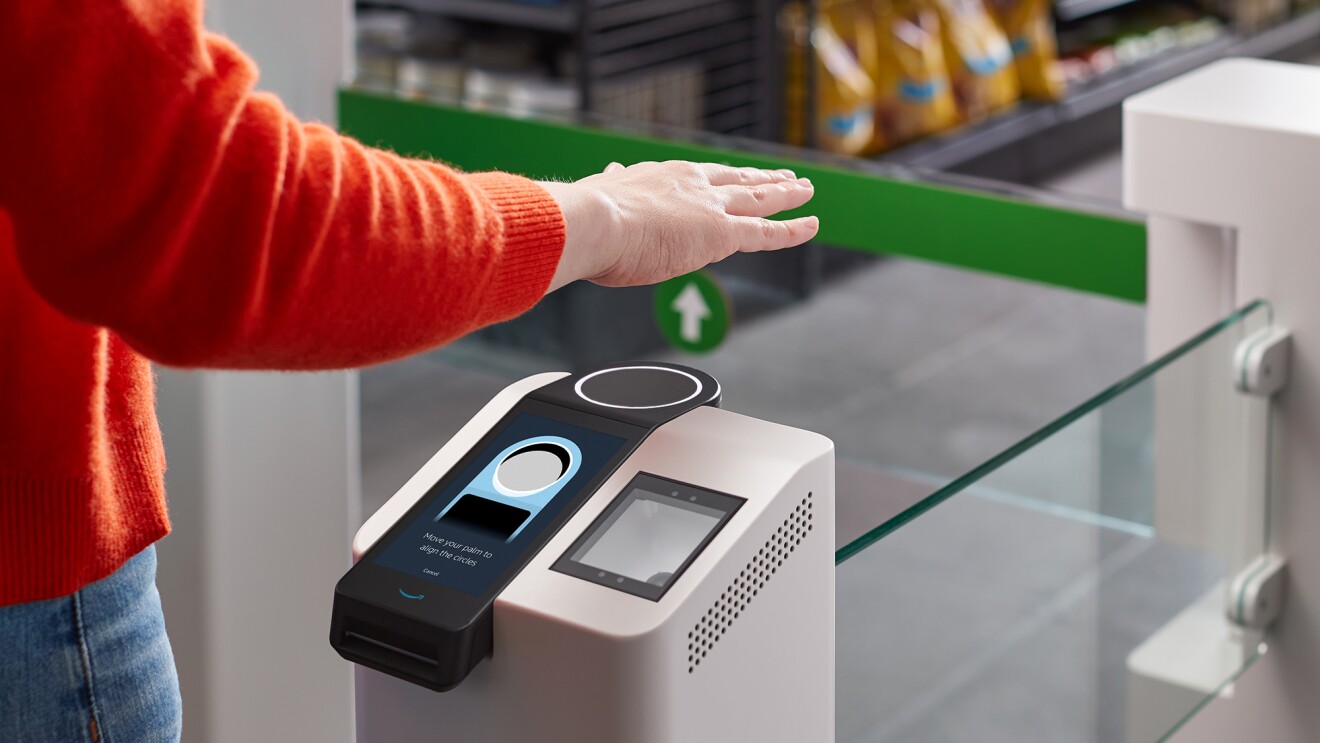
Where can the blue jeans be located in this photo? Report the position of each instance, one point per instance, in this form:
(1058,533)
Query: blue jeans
(93,667)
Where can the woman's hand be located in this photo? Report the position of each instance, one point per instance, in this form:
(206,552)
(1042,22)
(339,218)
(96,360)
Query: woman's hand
(653,221)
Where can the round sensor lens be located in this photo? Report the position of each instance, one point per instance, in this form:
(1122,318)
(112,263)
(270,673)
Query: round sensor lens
(638,387)
(532,468)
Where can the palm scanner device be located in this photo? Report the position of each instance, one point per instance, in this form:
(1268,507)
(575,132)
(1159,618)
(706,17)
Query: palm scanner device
(602,557)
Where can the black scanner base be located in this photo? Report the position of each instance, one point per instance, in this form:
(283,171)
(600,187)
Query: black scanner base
(389,642)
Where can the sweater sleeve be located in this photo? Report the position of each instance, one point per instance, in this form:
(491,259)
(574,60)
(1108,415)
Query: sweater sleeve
(153,192)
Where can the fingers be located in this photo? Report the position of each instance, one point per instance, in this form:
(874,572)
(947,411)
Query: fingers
(768,199)
(612,168)
(723,175)
(755,234)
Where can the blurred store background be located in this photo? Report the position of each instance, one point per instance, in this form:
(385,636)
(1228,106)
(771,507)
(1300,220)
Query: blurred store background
(1020,97)
(1010,89)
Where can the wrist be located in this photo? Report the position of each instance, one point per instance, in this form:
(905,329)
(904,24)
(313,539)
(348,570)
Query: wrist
(590,232)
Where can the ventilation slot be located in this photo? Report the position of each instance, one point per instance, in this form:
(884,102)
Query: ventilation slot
(749,583)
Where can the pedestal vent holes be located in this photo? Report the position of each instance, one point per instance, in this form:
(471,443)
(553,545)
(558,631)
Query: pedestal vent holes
(749,583)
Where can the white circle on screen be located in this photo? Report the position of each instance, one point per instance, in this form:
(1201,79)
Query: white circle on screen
(532,468)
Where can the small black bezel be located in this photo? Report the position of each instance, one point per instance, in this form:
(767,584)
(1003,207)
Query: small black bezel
(680,492)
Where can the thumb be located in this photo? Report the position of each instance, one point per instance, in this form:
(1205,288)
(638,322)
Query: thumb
(613,168)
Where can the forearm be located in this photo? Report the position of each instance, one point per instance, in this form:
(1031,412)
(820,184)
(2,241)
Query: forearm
(360,257)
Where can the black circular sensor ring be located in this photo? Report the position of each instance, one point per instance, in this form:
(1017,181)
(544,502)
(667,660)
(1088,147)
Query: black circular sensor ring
(638,387)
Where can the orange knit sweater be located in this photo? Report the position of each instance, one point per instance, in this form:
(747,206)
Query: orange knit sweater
(153,206)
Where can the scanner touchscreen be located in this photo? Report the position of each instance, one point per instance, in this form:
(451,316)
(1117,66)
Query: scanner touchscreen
(475,524)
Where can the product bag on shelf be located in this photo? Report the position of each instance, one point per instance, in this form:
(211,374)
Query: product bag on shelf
(845,95)
(980,61)
(864,41)
(914,96)
(795,34)
(1029,26)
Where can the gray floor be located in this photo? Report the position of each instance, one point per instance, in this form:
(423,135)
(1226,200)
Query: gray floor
(984,621)
(995,617)
(1100,178)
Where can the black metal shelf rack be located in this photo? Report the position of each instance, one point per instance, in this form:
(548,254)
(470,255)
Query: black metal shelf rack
(557,17)
(1071,10)
(729,48)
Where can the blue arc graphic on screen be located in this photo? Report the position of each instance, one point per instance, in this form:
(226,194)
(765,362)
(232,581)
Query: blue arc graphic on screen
(487,483)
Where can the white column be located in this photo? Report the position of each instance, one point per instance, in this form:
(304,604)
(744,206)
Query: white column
(1236,145)
(263,476)
(1189,280)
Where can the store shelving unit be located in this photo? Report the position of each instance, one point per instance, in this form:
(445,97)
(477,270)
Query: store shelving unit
(1033,141)
(561,17)
(736,46)
(1071,10)
(726,48)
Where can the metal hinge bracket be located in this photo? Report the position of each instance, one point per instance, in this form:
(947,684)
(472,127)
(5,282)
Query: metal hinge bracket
(1261,361)
(1255,598)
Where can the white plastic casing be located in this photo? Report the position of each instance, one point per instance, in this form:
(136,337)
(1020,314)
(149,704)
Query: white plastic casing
(575,661)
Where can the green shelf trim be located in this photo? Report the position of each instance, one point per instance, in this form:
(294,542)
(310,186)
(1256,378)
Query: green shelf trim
(858,210)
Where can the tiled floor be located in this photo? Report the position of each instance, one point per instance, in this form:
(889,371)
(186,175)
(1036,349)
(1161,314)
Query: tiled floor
(985,620)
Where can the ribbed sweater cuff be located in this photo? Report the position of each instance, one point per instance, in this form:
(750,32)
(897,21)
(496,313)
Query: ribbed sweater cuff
(534,234)
(57,534)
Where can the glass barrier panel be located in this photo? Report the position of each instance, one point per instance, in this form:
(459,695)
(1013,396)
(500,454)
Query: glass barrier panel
(1085,527)
(1015,311)
(1074,586)
(918,372)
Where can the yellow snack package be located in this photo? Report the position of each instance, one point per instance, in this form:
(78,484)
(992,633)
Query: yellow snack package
(845,121)
(865,43)
(845,97)
(795,32)
(912,80)
(1029,26)
(978,56)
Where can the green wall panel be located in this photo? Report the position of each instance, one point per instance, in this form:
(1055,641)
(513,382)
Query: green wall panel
(858,210)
